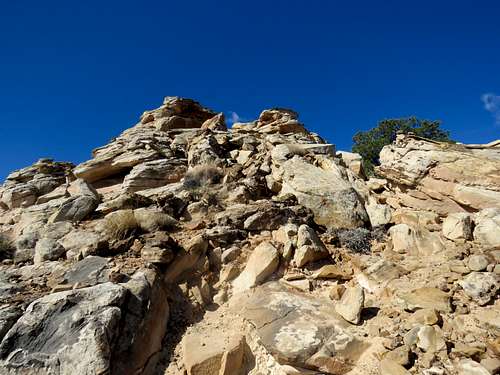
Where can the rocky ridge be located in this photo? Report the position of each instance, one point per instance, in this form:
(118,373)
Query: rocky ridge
(184,247)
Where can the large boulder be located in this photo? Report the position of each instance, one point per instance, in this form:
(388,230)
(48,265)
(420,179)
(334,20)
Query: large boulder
(218,122)
(487,229)
(153,174)
(379,214)
(309,247)
(469,367)
(352,161)
(332,199)
(458,226)
(78,206)
(406,239)
(300,330)
(193,249)
(66,332)
(89,271)
(103,329)
(144,317)
(75,209)
(351,304)
(80,243)
(481,287)
(223,355)
(427,298)
(48,249)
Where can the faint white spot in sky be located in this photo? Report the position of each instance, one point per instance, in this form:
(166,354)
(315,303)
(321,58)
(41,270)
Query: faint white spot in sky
(233,117)
(492,104)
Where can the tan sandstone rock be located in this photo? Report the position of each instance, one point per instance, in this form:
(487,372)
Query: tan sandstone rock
(210,353)
(333,200)
(427,298)
(260,265)
(442,177)
(458,226)
(487,229)
(390,367)
(351,304)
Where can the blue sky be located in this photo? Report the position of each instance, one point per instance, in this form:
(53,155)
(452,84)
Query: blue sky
(75,74)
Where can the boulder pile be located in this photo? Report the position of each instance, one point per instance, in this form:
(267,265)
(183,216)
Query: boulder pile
(185,247)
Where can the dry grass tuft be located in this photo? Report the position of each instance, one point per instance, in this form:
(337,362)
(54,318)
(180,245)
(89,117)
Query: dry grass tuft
(120,224)
(150,220)
(201,176)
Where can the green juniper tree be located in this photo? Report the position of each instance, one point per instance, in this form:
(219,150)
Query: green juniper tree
(369,143)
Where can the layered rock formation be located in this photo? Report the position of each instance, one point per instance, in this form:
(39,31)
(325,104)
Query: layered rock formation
(184,247)
(442,177)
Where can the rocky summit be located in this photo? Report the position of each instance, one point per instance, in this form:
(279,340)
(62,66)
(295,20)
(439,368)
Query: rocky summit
(185,247)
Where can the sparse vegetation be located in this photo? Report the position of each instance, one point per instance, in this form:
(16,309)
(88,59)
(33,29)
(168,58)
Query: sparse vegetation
(379,233)
(369,143)
(152,220)
(120,224)
(357,240)
(7,248)
(201,176)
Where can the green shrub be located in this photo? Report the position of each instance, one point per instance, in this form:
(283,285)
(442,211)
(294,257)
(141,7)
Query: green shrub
(369,143)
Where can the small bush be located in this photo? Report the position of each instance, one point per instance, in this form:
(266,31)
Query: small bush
(7,248)
(201,176)
(120,224)
(379,233)
(150,220)
(357,240)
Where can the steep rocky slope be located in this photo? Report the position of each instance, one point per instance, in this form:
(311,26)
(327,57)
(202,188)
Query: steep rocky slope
(184,247)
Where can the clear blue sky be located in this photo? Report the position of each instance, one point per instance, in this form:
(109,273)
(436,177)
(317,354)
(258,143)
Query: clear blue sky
(73,74)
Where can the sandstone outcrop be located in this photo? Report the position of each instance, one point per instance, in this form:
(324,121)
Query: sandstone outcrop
(442,177)
(22,188)
(185,247)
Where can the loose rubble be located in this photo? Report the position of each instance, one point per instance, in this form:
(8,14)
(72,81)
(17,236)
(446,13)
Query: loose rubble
(185,247)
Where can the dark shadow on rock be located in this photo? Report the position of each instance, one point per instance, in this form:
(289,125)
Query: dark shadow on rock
(182,315)
(249,359)
(369,312)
